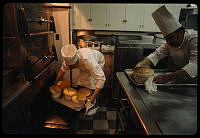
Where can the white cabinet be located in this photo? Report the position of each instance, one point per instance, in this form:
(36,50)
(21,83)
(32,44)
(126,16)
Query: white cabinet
(82,16)
(124,17)
(139,17)
(90,16)
(99,20)
(116,17)
(133,16)
(148,23)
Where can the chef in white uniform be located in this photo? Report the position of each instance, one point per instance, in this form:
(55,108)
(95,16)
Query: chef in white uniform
(90,64)
(181,46)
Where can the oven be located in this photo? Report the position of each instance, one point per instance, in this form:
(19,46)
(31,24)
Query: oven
(36,28)
(29,58)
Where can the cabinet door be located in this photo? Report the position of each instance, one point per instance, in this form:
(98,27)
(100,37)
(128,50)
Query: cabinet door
(133,15)
(148,23)
(116,14)
(98,16)
(82,16)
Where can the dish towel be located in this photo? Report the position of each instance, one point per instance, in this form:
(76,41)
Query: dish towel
(91,109)
(150,86)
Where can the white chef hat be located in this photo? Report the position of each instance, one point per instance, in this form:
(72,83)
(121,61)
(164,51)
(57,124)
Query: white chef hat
(69,53)
(166,22)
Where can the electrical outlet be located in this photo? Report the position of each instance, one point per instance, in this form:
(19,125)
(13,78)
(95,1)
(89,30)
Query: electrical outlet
(57,37)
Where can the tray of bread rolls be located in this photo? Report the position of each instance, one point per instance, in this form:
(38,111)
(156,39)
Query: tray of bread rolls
(68,96)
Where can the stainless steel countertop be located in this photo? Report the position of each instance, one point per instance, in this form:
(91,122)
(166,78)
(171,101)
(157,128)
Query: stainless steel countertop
(172,110)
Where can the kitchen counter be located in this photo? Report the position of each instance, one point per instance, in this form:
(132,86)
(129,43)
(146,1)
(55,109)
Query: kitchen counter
(168,111)
(141,43)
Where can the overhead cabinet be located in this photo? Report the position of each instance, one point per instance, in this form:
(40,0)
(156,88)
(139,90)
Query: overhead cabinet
(90,16)
(124,17)
(82,16)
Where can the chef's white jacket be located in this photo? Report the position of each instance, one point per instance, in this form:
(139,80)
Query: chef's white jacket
(90,69)
(184,57)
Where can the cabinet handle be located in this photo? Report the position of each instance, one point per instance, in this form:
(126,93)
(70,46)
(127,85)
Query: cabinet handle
(106,24)
(124,21)
(90,20)
(142,26)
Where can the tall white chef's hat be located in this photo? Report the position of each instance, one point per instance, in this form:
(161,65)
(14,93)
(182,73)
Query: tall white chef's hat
(166,22)
(69,53)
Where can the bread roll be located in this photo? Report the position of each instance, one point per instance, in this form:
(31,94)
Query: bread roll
(75,100)
(81,97)
(70,91)
(56,91)
(66,95)
(85,91)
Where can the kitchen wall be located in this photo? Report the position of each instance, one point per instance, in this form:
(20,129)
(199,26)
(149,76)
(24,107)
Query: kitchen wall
(61,17)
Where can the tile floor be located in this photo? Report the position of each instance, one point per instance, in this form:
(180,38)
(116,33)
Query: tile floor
(103,122)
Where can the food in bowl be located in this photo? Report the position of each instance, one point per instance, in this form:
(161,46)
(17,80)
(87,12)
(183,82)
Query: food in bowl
(141,74)
(56,91)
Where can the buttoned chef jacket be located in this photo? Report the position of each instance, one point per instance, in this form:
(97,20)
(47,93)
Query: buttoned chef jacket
(185,56)
(90,69)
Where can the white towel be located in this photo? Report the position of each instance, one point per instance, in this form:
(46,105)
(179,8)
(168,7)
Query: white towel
(89,105)
(150,86)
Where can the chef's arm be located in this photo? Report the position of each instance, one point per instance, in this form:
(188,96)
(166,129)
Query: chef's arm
(97,72)
(59,76)
(96,92)
(99,86)
(178,75)
(152,60)
(145,63)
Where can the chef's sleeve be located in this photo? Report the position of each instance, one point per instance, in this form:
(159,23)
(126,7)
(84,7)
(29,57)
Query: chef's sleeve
(160,53)
(191,67)
(64,67)
(97,72)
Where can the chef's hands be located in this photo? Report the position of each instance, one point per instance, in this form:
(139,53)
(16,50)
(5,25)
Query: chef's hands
(93,96)
(59,76)
(140,65)
(165,78)
(144,63)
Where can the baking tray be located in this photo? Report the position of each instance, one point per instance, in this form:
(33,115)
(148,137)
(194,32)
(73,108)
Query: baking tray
(68,103)
(157,72)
